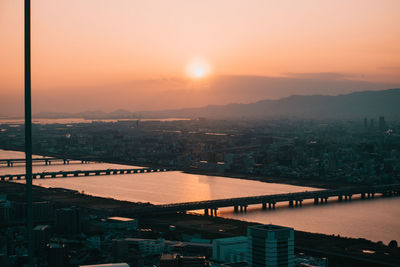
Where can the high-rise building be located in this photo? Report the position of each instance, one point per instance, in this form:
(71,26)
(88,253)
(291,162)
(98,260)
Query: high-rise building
(382,123)
(270,245)
(371,123)
(41,234)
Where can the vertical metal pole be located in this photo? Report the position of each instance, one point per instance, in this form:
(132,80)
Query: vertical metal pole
(28,130)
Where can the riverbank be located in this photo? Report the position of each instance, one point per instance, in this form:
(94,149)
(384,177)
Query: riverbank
(309,182)
(374,253)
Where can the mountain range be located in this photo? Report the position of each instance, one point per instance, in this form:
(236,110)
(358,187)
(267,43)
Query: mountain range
(353,105)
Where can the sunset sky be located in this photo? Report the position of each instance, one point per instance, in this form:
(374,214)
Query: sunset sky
(104,54)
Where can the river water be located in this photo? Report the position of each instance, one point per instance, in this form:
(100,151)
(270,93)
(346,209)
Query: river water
(377,219)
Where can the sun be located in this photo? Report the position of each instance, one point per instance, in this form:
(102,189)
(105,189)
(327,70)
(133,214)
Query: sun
(198,68)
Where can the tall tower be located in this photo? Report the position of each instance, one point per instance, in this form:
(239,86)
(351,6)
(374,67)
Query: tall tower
(270,245)
(382,123)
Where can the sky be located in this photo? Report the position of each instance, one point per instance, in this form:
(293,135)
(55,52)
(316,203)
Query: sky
(143,55)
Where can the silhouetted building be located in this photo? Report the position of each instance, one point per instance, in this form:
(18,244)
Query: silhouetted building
(42,211)
(122,223)
(270,245)
(57,255)
(130,246)
(230,249)
(68,221)
(371,123)
(41,235)
(382,123)
(5,210)
(107,265)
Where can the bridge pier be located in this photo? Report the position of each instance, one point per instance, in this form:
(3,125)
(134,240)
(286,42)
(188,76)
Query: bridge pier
(205,212)
(264,206)
(236,209)
(215,211)
(362,195)
(315,201)
(298,202)
(290,203)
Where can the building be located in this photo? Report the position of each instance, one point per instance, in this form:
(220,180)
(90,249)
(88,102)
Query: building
(68,221)
(231,249)
(57,255)
(107,265)
(270,245)
(382,123)
(121,223)
(41,234)
(5,210)
(131,246)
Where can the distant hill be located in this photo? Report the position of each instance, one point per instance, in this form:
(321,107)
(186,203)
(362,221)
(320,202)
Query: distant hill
(354,105)
(90,115)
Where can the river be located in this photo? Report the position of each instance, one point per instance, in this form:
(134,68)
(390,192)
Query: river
(377,219)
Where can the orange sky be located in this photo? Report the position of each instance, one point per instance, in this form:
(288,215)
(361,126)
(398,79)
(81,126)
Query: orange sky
(82,45)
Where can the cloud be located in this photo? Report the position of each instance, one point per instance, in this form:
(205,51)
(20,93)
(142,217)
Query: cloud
(320,75)
(389,68)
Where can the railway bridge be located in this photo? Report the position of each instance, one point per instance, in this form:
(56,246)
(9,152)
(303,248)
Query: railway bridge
(240,204)
(45,160)
(63,174)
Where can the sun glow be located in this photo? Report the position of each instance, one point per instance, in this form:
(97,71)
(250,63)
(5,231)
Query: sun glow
(198,68)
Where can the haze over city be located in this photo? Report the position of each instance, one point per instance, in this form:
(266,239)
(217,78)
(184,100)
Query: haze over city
(155,55)
(213,133)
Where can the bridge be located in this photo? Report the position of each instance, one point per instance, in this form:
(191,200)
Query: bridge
(46,160)
(294,199)
(61,174)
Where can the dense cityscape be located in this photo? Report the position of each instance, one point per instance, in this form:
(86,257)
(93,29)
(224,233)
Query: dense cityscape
(358,152)
(73,229)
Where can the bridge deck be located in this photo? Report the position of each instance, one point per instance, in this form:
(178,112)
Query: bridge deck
(46,160)
(63,174)
(393,189)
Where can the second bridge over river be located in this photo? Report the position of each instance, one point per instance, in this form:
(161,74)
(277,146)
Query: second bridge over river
(240,204)
(77,173)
